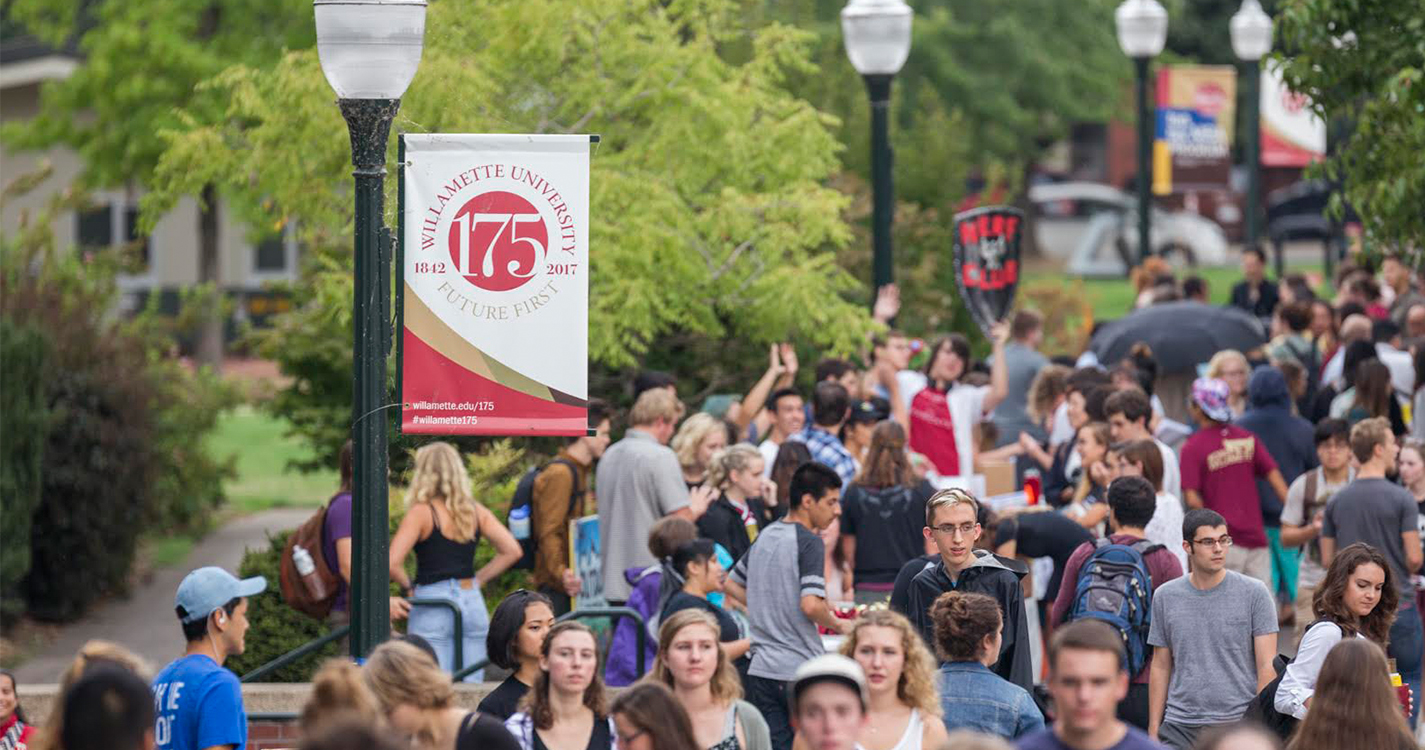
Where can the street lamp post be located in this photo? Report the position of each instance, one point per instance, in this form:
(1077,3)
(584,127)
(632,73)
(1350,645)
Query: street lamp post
(1251,31)
(369,51)
(877,36)
(1142,31)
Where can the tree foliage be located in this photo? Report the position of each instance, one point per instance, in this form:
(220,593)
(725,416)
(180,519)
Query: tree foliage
(1363,61)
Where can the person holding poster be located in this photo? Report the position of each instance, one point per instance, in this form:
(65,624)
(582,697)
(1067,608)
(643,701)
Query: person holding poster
(561,495)
(943,413)
(641,481)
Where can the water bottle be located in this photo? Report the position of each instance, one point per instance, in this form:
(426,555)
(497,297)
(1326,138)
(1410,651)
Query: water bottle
(307,569)
(519,522)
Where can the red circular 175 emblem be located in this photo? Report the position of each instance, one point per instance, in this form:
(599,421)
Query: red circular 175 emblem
(498,241)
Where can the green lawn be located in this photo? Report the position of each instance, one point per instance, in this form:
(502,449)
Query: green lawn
(262,451)
(1112,298)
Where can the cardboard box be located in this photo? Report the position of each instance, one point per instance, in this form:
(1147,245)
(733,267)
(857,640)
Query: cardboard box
(999,477)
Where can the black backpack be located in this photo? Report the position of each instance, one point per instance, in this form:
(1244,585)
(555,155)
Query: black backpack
(1263,708)
(523,504)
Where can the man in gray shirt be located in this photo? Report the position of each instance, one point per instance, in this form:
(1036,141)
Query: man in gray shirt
(639,481)
(782,582)
(1023,362)
(1380,513)
(1214,636)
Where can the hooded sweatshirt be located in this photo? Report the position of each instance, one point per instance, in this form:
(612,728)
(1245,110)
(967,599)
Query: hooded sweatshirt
(1288,438)
(622,667)
(994,576)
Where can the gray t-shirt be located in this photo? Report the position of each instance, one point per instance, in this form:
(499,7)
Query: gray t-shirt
(1012,415)
(1376,512)
(1210,634)
(639,482)
(786,563)
(1297,514)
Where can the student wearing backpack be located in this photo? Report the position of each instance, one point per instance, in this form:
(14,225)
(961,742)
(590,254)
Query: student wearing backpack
(1214,637)
(1131,504)
(560,493)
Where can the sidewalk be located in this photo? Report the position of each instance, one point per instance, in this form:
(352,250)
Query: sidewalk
(145,621)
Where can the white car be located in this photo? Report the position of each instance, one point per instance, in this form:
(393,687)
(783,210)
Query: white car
(1094,227)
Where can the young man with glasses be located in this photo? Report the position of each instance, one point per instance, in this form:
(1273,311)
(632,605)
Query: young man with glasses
(1214,635)
(952,523)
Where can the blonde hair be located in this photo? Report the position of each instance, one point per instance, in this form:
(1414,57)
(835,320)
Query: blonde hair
(916,687)
(653,405)
(1221,360)
(440,476)
(732,458)
(398,673)
(90,654)
(949,499)
(338,694)
(726,686)
(691,435)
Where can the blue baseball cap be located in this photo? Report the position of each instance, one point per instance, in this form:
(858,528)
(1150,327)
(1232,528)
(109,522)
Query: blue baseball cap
(206,589)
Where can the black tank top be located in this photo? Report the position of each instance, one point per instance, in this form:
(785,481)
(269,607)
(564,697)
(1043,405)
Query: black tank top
(439,558)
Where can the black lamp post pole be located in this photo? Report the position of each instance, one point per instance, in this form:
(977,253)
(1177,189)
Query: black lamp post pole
(1250,82)
(1145,159)
(882,187)
(369,121)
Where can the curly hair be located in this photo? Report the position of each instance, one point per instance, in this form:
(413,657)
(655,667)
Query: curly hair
(962,622)
(1048,386)
(1329,601)
(916,687)
(886,463)
(536,702)
(726,686)
(732,458)
(694,431)
(440,476)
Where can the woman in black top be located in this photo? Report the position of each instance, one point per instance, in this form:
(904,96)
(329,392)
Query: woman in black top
(418,700)
(882,514)
(565,709)
(443,526)
(734,519)
(702,574)
(516,633)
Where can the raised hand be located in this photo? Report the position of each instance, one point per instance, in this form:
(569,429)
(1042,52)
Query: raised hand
(888,303)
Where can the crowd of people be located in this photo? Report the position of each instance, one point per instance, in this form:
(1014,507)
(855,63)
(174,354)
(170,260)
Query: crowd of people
(822,567)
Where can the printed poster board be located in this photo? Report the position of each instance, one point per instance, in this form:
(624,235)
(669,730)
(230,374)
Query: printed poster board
(494,284)
(587,561)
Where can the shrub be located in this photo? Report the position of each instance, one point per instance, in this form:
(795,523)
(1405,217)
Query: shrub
(123,453)
(23,354)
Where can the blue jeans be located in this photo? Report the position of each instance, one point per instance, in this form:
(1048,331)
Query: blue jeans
(436,625)
(1407,643)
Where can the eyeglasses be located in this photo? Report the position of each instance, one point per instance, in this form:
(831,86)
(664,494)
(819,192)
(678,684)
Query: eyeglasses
(949,530)
(1224,542)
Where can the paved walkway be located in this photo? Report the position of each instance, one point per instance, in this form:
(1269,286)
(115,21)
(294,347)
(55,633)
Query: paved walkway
(144,622)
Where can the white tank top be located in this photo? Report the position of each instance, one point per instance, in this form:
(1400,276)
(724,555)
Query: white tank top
(913,731)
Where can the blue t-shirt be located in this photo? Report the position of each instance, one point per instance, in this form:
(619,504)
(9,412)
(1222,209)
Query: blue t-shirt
(199,705)
(1045,739)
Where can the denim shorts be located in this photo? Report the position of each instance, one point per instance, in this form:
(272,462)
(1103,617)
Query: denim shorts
(435,624)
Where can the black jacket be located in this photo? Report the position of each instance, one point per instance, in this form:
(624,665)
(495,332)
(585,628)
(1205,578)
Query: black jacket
(1266,302)
(992,575)
(723,524)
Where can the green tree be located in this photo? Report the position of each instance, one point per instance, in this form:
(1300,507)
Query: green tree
(141,62)
(711,213)
(1363,61)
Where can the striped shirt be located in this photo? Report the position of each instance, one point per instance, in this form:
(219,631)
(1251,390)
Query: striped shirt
(785,564)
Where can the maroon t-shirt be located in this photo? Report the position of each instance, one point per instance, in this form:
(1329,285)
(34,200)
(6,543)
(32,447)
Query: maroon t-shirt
(1222,464)
(1163,566)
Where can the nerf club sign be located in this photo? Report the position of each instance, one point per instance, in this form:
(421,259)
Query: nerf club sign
(986,257)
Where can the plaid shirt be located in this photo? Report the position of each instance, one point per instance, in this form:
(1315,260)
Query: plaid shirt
(827,449)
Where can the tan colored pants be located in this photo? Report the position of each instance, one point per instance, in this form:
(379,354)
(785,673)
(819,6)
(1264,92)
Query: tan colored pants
(1254,562)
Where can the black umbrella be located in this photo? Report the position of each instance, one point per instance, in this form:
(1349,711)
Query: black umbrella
(1181,334)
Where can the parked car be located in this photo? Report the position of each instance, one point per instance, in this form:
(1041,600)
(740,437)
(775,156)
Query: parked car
(1094,227)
